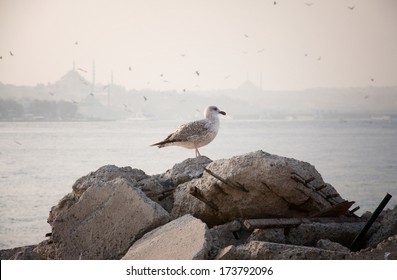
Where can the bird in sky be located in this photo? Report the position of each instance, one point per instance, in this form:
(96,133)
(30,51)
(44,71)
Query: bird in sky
(11,53)
(145,98)
(351,7)
(197,73)
(309,4)
(82,70)
(196,134)
(129,68)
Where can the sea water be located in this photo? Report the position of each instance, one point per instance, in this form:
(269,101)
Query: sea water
(40,161)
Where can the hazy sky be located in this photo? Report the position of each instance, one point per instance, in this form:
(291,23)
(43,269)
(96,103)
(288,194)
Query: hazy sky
(294,45)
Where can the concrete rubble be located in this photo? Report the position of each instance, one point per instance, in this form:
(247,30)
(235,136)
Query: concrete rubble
(198,210)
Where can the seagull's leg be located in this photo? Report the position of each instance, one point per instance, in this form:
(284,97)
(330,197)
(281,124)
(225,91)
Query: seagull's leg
(197,153)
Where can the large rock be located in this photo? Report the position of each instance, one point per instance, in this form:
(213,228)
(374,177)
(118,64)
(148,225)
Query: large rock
(160,187)
(104,174)
(256,250)
(386,227)
(309,234)
(254,185)
(102,217)
(20,253)
(186,238)
(385,250)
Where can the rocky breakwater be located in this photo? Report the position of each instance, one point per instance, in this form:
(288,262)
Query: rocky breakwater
(252,206)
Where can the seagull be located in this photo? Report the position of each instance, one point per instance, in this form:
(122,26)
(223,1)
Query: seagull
(11,53)
(308,4)
(351,7)
(197,73)
(196,134)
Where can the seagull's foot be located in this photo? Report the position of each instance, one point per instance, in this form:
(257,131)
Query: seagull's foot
(197,153)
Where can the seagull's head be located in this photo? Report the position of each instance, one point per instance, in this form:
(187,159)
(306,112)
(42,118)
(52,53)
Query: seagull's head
(212,111)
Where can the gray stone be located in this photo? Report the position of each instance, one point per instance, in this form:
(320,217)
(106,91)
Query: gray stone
(232,233)
(257,250)
(386,227)
(186,238)
(254,185)
(104,174)
(327,244)
(275,235)
(106,219)
(20,253)
(385,250)
(160,187)
(310,234)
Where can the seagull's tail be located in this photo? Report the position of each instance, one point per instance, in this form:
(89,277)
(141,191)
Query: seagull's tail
(162,144)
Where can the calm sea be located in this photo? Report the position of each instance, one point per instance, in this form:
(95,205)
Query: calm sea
(39,161)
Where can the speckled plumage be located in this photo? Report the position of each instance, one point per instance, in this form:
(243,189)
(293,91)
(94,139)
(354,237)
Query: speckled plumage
(195,134)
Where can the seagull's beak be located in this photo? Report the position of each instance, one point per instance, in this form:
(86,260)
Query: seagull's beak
(221,112)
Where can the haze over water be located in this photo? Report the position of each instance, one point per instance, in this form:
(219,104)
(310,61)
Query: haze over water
(312,80)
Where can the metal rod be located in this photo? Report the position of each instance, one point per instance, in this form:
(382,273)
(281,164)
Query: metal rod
(357,242)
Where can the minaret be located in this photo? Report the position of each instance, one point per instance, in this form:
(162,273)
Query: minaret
(109,86)
(93,77)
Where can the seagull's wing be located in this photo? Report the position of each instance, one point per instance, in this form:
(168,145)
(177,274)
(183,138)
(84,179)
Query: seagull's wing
(186,132)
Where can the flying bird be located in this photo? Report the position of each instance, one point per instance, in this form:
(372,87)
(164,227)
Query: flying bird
(76,43)
(246,36)
(129,68)
(11,53)
(309,4)
(196,134)
(145,98)
(351,7)
(82,70)
(197,73)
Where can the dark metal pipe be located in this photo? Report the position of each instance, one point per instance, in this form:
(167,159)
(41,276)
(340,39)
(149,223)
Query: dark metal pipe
(357,242)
